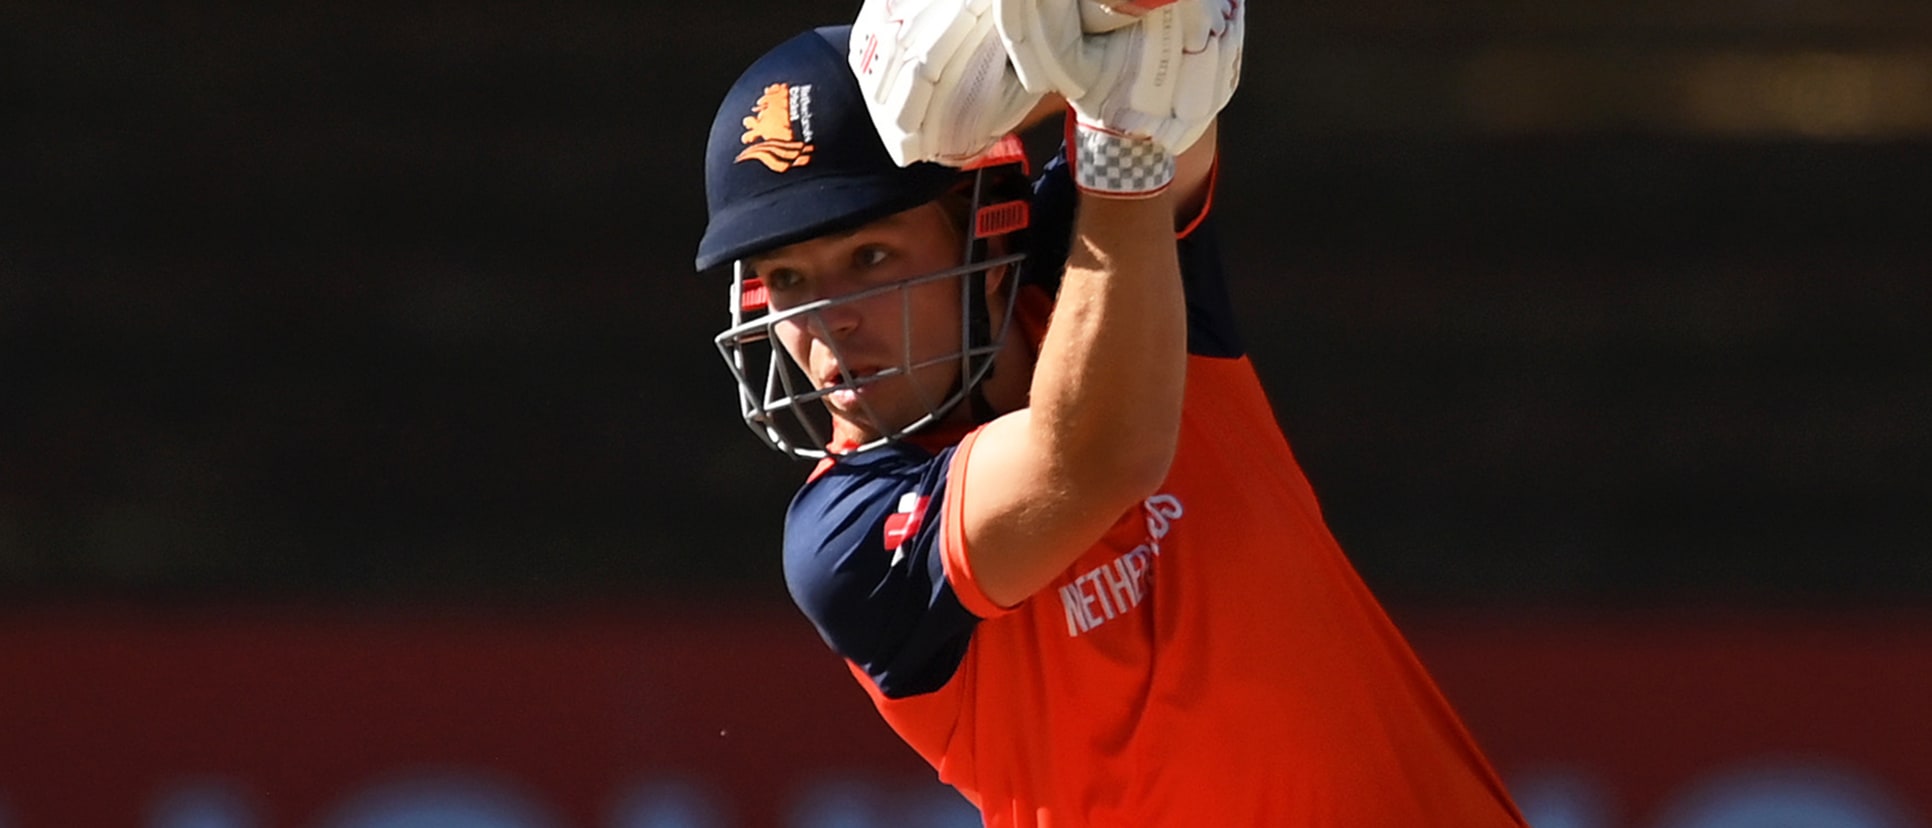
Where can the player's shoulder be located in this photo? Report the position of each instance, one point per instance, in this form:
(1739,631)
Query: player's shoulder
(847,504)
(863,562)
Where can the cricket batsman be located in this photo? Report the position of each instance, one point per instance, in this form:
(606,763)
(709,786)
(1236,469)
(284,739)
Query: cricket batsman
(1053,528)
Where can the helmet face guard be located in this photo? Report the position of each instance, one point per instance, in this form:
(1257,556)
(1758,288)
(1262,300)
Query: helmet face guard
(793,155)
(777,398)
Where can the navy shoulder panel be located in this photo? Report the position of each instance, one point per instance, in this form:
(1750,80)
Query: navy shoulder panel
(862,560)
(1211,327)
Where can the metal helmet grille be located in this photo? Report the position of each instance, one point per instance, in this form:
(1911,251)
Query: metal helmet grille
(777,399)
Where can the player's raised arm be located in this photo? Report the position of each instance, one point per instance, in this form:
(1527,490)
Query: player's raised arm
(1044,482)
(1040,485)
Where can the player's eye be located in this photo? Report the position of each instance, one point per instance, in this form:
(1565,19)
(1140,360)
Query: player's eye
(871,255)
(781,278)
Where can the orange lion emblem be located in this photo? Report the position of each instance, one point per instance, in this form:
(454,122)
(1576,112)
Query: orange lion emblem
(768,131)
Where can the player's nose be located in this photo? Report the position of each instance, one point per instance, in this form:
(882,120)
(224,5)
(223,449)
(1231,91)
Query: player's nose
(840,318)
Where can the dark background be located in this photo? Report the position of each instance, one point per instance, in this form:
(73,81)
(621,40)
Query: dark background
(1585,304)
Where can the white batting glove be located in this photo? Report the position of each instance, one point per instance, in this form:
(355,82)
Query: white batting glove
(937,79)
(1098,16)
(1212,34)
(1165,77)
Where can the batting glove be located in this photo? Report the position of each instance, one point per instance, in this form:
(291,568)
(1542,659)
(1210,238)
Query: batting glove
(1165,77)
(937,79)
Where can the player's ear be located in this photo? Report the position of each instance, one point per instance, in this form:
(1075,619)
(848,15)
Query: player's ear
(996,277)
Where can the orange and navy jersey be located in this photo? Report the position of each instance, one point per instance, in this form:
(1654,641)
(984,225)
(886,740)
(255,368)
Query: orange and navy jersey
(1213,660)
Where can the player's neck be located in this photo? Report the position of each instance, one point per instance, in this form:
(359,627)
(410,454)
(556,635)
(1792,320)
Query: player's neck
(1007,389)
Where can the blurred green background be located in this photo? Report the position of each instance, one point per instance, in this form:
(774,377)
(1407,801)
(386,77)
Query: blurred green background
(1597,304)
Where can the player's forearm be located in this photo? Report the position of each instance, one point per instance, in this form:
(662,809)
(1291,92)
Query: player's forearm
(1106,396)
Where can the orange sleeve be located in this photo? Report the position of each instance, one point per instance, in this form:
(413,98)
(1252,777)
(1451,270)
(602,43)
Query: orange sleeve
(959,569)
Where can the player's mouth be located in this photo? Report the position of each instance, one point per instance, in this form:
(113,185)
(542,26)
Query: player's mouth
(855,376)
(848,385)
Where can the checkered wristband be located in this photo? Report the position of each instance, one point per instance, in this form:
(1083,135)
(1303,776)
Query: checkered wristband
(1118,165)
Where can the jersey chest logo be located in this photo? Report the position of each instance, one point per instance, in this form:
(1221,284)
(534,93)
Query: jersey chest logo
(903,524)
(1115,588)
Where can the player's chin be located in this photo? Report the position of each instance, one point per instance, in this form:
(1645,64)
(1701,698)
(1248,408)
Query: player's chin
(851,407)
(889,405)
(874,418)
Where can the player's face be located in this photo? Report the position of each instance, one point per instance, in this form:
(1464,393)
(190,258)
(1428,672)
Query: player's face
(890,329)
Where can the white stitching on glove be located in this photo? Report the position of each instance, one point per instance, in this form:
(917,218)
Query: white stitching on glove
(936,77)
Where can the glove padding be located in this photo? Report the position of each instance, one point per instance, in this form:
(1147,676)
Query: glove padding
(937,79)
(1165,77)
(1098,16)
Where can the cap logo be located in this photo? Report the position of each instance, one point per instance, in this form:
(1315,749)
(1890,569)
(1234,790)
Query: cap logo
(769,136)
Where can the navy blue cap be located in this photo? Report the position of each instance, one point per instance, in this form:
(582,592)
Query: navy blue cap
(793,155)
